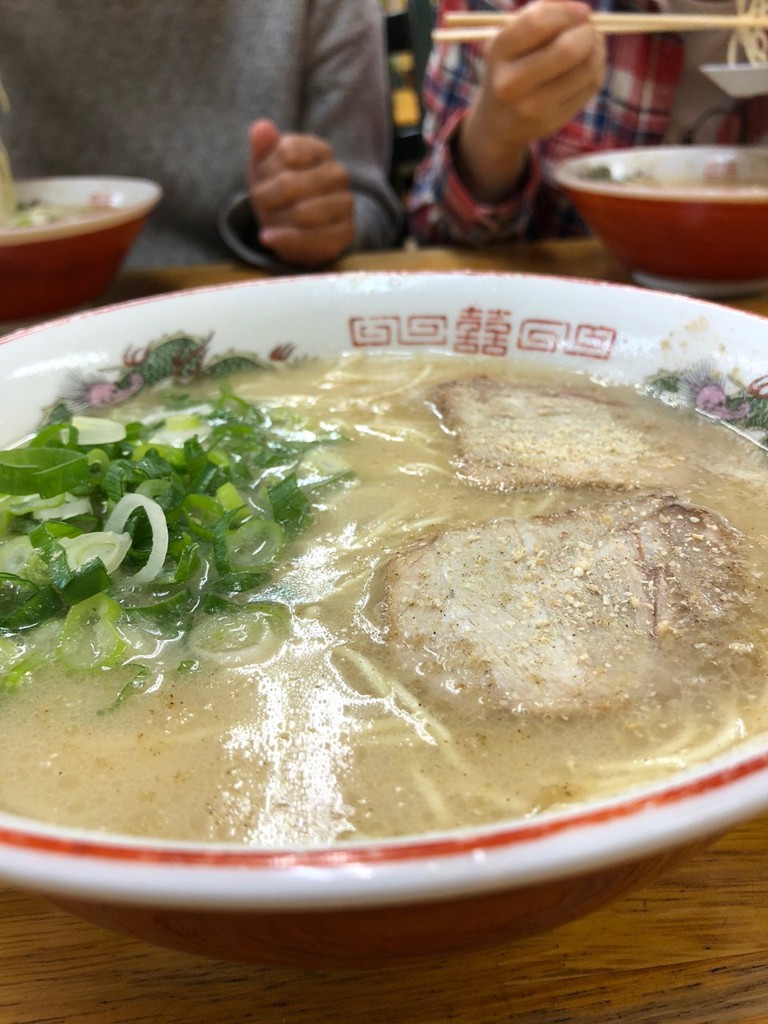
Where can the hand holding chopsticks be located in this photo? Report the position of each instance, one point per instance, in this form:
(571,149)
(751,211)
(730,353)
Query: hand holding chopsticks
(545,69)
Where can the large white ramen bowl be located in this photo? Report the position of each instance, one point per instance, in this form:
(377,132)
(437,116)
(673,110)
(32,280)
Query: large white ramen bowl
(372,903)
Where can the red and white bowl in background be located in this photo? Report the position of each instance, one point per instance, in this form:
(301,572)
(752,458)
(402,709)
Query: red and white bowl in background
(692,219)
(50,268)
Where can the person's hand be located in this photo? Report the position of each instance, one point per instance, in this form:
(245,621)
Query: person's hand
(300,195)
(540,71)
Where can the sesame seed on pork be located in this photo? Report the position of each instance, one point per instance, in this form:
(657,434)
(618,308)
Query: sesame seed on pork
(573,611)
(514,436)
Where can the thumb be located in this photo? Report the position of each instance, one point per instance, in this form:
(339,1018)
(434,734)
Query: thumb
(263,137)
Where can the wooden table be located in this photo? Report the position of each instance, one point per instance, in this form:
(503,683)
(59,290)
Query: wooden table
(583,258)
(692,947)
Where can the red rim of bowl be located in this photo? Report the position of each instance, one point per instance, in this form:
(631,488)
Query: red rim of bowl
(503,835)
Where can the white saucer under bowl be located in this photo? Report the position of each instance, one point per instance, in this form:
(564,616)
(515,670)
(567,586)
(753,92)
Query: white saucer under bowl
(701,289)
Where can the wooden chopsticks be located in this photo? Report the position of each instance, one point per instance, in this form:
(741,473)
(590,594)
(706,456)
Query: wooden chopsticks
(477,26)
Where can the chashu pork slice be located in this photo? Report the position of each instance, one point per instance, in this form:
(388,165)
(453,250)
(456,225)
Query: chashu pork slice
(527,437)
(571,612)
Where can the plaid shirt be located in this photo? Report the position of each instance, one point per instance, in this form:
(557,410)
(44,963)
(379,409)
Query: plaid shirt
(632,108)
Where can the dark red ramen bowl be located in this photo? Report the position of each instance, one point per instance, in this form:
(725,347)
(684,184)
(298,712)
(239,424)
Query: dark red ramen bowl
(692,219)
(47,268)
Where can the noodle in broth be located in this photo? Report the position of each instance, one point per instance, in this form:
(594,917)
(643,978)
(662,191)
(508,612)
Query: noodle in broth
(326,739)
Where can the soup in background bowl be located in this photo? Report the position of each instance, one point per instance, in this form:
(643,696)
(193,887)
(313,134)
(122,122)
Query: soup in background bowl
(499,545)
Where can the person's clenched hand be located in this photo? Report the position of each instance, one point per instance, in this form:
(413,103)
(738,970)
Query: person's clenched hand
(300,195)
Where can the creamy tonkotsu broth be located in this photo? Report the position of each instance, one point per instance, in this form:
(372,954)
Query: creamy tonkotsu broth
(328,738)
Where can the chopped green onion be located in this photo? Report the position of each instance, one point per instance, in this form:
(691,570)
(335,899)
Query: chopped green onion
(229,497)
(19,558)
(15,675)
(26,504)
(178,522)
(120,515)
(44,471)
(188,560)
(134,685)
(248,547)
(240,635)
(291,505)
(47,544)
(160,601)
(97,430)
(184,421)
(91,578)
(91,638)
(23,604)
(72,584)
(202,514)
(106,545)
(9,653)
(177,429)
(98,463)
(151,449)
(70,508)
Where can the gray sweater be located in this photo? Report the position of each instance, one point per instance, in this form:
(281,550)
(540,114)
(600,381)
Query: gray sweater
(165,89)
